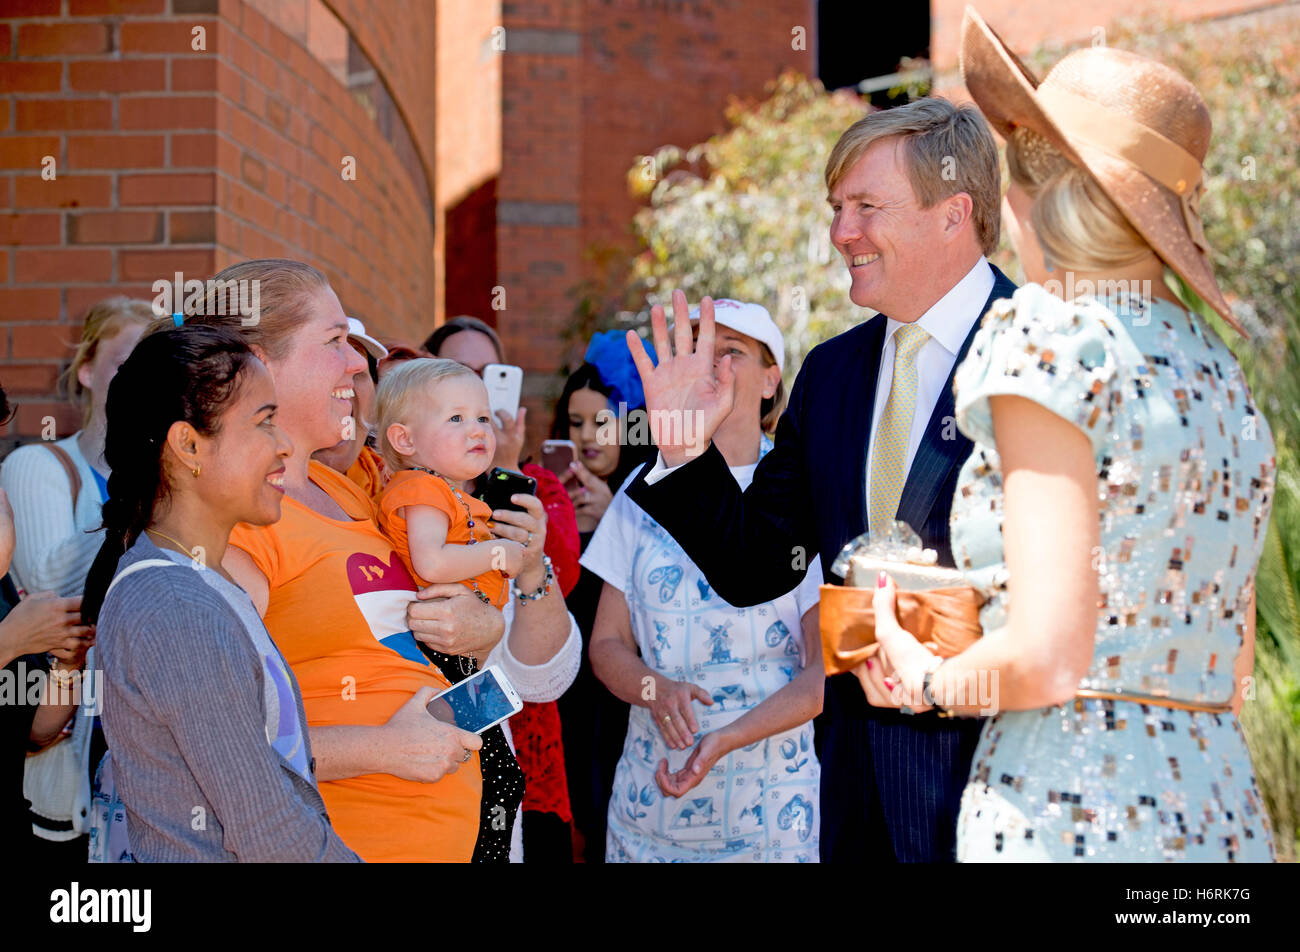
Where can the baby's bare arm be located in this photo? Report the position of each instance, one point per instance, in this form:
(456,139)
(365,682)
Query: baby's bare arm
(437,560)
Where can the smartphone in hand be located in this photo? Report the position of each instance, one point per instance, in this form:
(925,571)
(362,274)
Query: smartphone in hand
(481,701)
(504,383)
(500,484)
(557,455)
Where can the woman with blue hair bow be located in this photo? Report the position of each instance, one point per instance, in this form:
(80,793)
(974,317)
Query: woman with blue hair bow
(600,410)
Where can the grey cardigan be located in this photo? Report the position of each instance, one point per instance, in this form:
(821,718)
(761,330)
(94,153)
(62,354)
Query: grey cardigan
(185,719)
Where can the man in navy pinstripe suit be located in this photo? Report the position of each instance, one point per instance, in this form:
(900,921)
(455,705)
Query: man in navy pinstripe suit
(868,436)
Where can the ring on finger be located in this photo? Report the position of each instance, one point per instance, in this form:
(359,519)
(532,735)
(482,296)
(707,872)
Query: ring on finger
(468,754)
(529,540)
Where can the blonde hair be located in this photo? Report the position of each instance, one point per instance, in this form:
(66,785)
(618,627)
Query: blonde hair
(403,393)
(104,321)
(284,289)
(772,407)
(947,149)
(1078,227)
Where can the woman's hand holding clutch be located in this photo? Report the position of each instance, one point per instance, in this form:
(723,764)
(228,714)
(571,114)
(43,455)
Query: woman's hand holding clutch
(902,659)
(880,684)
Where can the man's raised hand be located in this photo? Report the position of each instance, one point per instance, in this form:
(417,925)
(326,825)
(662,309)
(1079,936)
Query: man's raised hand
(687,395)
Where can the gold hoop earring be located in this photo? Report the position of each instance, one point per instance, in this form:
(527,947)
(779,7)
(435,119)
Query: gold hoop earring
(196,469)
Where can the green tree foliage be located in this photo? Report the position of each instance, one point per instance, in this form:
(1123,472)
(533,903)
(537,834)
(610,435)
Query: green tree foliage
(744,216)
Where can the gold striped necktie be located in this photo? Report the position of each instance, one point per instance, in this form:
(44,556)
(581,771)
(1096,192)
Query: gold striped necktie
(889,455)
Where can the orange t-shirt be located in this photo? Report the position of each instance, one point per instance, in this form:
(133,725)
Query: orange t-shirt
(368,472)
(413,487)
(337,610)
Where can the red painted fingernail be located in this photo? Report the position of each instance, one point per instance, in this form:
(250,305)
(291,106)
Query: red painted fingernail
(881,579)
(868,664)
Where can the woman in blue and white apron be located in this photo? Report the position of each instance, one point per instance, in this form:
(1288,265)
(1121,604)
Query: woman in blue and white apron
(718,764)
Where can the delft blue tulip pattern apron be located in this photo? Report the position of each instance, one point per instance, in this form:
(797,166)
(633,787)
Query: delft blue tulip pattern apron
(757,804)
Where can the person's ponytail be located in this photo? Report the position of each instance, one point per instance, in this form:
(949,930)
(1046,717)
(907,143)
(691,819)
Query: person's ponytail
(178,374)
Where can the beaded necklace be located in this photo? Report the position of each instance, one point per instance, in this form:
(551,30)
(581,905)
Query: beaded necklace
(455,491)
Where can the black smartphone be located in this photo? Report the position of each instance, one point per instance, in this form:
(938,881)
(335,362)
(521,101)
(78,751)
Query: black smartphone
(500,484)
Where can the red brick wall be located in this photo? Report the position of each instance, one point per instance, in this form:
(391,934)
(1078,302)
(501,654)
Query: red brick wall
(399,37)
(287,126)
(174,159)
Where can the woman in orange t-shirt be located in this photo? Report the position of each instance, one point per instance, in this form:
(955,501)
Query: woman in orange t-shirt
(534,733)
(399,785)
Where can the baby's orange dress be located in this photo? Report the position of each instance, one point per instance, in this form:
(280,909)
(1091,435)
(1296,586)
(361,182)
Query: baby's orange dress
(413,487)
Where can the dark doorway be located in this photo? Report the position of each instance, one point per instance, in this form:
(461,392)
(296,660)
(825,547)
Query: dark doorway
(471,253)
(858,40)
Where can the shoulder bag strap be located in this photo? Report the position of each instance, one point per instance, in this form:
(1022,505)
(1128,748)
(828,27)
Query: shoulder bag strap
(69,467)
(135,567)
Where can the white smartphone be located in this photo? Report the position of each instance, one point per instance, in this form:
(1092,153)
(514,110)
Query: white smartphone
(504,383)
(481,701)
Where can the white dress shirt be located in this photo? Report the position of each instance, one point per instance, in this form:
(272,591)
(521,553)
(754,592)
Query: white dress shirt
(947,322)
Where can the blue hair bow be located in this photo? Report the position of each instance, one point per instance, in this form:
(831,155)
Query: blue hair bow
(608,353)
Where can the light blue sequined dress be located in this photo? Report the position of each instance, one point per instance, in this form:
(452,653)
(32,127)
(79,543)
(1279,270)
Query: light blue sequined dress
(1185,471)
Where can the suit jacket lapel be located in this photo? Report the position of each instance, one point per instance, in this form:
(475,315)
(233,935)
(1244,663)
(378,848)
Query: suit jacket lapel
(856,431)
(943,446)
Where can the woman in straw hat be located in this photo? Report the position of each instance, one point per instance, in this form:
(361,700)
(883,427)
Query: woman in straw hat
(1114,507)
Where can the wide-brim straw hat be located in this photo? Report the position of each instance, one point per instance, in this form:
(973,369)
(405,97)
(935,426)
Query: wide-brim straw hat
(1137,126)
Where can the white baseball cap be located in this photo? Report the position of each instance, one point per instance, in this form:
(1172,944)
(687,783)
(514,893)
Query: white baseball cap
(357,331)
(752,320)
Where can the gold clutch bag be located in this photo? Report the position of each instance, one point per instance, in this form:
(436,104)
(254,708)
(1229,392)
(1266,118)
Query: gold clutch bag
(935,604)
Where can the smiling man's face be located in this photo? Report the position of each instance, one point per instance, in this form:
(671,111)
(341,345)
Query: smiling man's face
(886,238)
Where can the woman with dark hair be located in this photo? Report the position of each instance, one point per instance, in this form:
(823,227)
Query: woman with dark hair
(208,738)
(586,414)
(475,350)
(601,401)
